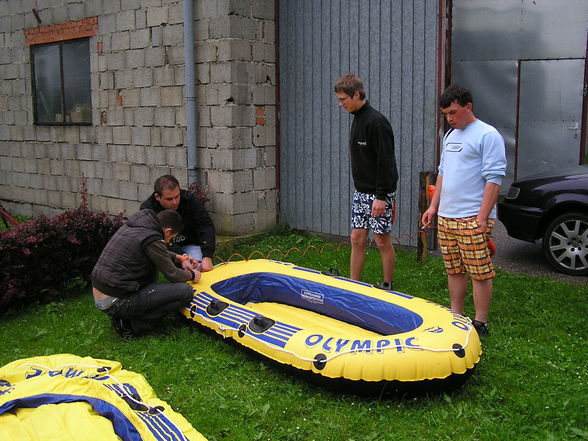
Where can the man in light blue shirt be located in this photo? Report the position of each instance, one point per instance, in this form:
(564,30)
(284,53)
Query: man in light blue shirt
(472,165)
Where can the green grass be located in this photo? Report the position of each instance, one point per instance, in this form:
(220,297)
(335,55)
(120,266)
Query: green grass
(531,383)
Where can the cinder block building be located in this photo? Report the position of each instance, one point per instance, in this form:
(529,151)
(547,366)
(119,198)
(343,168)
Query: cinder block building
(100,90)
(237,96)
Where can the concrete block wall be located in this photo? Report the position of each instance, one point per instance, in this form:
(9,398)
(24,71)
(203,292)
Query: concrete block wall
(138,129)
(236,93)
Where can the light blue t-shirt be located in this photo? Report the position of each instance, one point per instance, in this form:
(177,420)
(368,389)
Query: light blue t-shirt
(471,157)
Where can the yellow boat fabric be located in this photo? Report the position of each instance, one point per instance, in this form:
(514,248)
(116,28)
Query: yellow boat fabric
(64,397)
(333,326)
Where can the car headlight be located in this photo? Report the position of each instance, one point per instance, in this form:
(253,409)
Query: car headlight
(513,192)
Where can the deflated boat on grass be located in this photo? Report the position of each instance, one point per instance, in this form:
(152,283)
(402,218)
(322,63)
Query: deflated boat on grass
(64,397)
(333,326)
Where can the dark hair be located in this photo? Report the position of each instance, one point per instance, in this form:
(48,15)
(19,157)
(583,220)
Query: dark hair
(349,84)
(165,182)
(453,93)
(171,219)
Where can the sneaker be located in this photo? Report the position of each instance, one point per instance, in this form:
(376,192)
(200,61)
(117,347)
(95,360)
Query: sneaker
(123,328)
(481,328)
(386,286)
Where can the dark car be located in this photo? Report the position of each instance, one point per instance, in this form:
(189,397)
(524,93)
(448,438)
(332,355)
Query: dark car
(552,206)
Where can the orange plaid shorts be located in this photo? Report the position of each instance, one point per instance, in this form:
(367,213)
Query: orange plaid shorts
(464,246)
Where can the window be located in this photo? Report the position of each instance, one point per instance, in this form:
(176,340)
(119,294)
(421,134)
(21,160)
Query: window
(61,82)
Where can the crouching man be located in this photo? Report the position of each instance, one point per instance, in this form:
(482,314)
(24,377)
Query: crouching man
(124,280)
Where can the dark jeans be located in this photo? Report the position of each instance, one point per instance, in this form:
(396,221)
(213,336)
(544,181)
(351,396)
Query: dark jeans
(151,304)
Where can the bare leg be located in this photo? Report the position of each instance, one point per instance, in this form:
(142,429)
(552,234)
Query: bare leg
(482,298)
(458,286)
(388,255)
(358,243)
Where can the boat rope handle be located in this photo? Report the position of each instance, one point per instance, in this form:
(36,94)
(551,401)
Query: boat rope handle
(152,409)
(352,351)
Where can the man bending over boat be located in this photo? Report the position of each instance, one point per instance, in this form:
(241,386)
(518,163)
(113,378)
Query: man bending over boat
(473,163)
(373,166)
(198,237)
(124,278)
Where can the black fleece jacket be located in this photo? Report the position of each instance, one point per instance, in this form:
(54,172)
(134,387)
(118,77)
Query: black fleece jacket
(373,162)
(198,227)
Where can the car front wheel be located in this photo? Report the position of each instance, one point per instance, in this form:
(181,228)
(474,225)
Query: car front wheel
(565,244)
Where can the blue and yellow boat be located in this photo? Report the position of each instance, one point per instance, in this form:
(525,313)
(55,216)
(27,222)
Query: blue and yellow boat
(333,326)
(65,397)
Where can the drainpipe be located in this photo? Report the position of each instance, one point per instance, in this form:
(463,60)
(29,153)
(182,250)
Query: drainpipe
(190,78)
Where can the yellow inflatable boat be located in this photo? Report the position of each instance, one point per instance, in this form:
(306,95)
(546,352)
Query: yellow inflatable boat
(65,397)
(333,326)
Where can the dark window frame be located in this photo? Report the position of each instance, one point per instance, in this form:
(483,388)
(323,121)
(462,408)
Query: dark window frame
(60,44)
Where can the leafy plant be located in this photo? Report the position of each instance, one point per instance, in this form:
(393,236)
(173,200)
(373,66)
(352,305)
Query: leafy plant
(41,258)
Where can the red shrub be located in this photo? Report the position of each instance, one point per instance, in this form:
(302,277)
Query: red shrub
(39,257)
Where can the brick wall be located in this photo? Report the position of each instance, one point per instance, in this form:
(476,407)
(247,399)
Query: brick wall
(63,31)
(139,123)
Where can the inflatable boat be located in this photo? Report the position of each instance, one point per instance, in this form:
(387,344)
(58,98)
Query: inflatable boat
(65,397)
(333,326)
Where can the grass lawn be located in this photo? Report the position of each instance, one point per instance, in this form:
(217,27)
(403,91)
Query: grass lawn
(531,383)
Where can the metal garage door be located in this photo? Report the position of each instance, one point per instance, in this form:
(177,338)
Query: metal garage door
(525,64)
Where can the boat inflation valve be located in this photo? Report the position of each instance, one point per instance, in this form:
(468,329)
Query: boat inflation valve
(259,324)
(331,272)
(192,310)
(242,329)
(215,307)
(320,361)
(458,350)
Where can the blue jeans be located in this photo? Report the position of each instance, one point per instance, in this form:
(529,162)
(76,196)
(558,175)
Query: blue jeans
(193,250)
(151,303)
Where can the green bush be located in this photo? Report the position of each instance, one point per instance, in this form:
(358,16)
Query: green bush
(38,258)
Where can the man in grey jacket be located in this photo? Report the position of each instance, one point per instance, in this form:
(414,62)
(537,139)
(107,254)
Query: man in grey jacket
(124,280)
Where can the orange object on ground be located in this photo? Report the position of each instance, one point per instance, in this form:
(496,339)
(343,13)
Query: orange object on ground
(491,247)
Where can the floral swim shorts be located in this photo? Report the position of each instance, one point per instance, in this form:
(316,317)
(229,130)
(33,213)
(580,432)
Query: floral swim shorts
(361,213)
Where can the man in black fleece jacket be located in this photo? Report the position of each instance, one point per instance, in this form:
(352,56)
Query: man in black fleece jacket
(198,237)
(373,167)
(124,280)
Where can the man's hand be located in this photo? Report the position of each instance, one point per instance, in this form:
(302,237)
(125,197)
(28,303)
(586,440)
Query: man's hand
(378,208)
(483,223)
(428,216)
(187,265)
(206,264)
